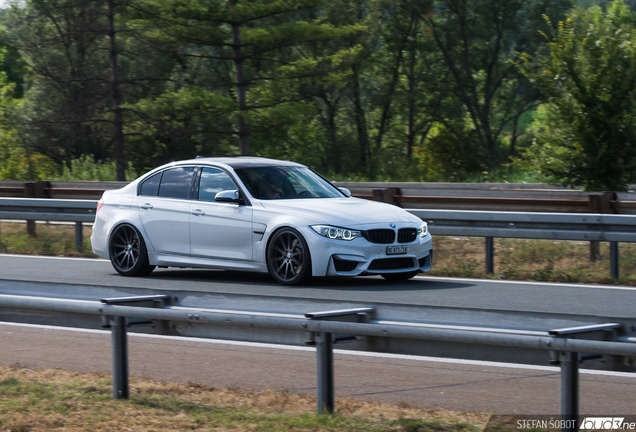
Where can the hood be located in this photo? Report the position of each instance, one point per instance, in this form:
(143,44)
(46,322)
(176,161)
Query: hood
(346,212)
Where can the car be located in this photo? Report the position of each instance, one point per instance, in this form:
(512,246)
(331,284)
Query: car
(256,215)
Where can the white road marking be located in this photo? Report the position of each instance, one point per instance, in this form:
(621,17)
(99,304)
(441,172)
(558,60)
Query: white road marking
(44,222)
(55,257)
(336,351)
(518,282)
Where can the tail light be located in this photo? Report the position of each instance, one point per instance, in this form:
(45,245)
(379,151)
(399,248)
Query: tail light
(100,203)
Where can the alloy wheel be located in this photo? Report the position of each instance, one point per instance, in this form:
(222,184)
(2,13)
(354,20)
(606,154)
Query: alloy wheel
(125,248)
(288,258)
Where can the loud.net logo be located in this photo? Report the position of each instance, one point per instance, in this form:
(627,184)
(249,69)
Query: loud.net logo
(606,423)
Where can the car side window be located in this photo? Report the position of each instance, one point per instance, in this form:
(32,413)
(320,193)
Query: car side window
(150,186)
(176,182)
(212,182)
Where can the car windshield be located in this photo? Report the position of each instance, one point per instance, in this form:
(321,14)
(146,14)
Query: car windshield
(286,182)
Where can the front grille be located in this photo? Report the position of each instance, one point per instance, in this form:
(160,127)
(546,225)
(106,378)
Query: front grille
(407,235)
(344,265)
(382,236)
(391,264)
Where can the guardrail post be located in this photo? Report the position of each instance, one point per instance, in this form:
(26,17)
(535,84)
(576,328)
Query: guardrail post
(569,362)
(79,237)
(570,390)
(324,363)
(119,338)
(324,351)
(599,202)
(388,195)
(490,255)
(29,192)
(38,189)
(120,358)
(614,259)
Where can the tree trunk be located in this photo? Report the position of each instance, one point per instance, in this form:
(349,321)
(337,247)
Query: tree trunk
(412,88)
(116,95)
(334,156)
(361,122)
(395,75)
(240,90)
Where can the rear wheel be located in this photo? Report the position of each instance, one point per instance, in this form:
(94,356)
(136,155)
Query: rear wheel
(288,259)
(400,276)
(128,253)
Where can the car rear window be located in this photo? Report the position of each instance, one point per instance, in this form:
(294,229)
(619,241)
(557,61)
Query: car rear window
(176,182)
(150,186)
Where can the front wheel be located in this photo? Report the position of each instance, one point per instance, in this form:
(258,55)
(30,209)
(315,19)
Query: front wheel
(128,253)
(400,276)
(288,259)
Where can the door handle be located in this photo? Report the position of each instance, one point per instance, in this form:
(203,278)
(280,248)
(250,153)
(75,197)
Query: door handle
(146,206)
(197,212)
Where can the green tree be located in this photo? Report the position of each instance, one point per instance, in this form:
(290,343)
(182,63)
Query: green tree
(59,43)
(585,135)
(475,40)
(84,65)
(243,63)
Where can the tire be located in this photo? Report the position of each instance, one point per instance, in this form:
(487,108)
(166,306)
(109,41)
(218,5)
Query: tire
(400,276)
(128,253)
(288,258)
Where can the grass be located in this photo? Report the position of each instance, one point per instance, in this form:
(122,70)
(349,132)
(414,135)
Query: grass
(51,239)
(540,260)
(54,400)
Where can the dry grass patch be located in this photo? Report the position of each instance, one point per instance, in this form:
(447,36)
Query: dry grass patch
(54,400)
(542,260)
(51,239)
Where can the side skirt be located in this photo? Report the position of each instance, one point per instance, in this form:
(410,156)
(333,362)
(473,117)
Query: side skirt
(195,262)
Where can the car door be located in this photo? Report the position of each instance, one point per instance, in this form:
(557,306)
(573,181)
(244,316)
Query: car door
(164,208)
(219,230)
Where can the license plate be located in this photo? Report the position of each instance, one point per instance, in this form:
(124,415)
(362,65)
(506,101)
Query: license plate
(396,250)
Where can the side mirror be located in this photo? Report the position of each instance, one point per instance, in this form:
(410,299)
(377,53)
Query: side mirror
(345,191)
(228,196)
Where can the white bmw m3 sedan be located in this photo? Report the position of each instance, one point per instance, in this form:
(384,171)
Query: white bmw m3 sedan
(258,215)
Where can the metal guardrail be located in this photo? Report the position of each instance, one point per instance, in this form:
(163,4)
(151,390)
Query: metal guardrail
(548,226)
(328,327)
(57,190)
(457,196)
(40,209)
(528,225)
(494,197)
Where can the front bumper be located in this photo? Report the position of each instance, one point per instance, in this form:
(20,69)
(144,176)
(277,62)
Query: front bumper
(361,257)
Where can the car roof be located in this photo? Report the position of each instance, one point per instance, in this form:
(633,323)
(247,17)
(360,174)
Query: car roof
(241,161)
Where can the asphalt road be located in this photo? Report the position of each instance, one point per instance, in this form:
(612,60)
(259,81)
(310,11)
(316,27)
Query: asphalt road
(484,294)
(449,385)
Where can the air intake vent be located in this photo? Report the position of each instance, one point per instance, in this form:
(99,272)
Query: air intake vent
(407,235)
(382,236)
(426,261)
(344,265)
(391,264)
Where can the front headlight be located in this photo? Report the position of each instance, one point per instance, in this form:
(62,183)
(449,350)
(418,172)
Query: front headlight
(336,233)
(422,230)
